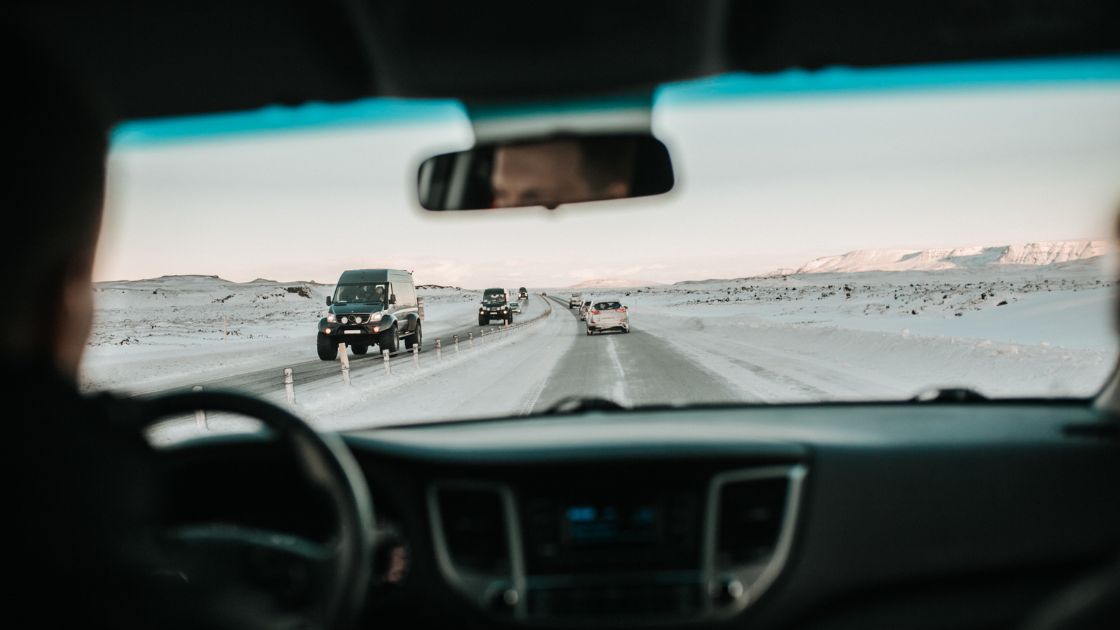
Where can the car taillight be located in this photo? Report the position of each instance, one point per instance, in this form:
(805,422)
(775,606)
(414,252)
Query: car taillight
(594,312)
(621,310)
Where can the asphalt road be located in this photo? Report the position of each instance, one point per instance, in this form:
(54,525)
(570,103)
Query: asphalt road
(271,379)
(634,368)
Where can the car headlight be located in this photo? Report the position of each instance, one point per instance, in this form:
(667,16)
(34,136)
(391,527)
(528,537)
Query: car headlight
(330,318)
(345,320)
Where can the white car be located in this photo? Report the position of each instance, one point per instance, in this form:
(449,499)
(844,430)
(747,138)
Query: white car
(515,307)
(607,315)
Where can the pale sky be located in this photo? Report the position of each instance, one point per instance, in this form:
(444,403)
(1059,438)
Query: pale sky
(763,183)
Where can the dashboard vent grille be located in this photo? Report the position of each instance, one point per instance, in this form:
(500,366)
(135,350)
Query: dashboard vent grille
(751,514)
(474,529)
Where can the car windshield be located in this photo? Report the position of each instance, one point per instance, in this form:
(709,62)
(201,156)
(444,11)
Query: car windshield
(833,236)
(362,293)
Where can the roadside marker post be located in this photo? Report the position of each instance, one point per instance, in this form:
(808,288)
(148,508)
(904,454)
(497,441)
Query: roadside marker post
(388,366)
(344,362)
(439,349)
(416,355)
(456,338)
(470,338)
(290,386)
(200,414)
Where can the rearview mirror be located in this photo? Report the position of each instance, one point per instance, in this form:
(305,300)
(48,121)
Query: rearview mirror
(328,300)
(392,298)
(546,172)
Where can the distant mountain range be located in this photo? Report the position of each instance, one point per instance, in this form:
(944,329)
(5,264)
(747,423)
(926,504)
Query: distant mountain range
(1028,254)
(613,283)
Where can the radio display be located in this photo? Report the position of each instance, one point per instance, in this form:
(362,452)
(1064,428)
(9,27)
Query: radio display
(611,523)
(597,532)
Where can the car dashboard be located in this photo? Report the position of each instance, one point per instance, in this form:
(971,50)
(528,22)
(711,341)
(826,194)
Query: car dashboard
(846,515)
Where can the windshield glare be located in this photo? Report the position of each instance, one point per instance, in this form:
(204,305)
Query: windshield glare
(367,293)
(821,245)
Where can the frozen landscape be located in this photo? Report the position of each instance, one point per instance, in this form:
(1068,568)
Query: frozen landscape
(1027,320)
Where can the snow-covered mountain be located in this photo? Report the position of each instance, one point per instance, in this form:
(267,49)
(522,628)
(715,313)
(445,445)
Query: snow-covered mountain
(613,283)
(1036,254)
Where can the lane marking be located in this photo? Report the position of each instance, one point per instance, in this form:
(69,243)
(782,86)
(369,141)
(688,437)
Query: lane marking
(618,392)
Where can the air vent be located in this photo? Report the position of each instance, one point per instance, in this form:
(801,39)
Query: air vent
(474,530)
(750,521)
(751,517)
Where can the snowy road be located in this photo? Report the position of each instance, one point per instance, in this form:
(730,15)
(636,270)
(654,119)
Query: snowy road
(631,369)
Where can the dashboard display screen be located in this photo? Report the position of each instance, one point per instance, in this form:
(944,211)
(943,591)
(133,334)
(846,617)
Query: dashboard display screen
(611,523)
(595,532)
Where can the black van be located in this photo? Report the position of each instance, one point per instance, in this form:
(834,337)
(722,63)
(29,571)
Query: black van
(495,305)
(370,307)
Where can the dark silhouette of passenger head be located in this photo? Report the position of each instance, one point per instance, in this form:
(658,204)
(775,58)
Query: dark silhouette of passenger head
(56,140)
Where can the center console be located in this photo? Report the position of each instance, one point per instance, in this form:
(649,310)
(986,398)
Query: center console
(626,547)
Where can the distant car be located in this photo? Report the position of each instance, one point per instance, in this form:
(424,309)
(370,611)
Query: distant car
(586,306)
(575,301)
(607,315)
(523,293)
(515,307)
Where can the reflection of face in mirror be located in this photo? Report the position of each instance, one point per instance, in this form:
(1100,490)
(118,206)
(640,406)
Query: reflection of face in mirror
(562,171)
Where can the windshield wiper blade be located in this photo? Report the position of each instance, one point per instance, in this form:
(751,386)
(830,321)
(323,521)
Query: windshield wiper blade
(580,404)
(949,395)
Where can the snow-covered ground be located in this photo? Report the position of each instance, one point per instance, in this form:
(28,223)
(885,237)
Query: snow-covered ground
(154,333)
(1030,331)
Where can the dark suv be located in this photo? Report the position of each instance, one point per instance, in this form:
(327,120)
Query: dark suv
(495,305)
(523,293)
(370,307)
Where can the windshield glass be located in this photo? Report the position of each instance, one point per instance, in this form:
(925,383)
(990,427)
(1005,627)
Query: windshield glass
(842,235)
(366,293)
(604,306)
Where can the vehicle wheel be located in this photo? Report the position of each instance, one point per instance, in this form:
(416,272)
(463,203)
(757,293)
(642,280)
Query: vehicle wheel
(328,350)
(389,340)
(359,348)
(483,322)
(626,331)
(415,339)
(509,320)
(588,332)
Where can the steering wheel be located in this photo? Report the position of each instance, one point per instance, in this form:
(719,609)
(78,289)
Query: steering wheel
(340,568)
